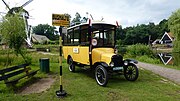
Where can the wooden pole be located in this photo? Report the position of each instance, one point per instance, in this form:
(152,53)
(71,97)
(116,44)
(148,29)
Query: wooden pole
(60,93)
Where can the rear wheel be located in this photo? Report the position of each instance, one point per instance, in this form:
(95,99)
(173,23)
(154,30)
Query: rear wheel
(101,75)
(71,65)
(131,72)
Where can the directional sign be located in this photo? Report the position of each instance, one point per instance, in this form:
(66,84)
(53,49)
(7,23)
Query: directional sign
(60,20)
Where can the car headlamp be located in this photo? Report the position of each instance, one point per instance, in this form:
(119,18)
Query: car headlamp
(111,64)
(125,63)
(94,42)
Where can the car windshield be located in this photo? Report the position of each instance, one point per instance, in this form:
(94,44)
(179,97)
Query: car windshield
(103,35)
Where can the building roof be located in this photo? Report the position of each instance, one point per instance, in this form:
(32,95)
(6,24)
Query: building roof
(39,38)
(170,35)
(155,41)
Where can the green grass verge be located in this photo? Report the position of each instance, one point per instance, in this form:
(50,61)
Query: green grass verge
(81,86)
(155,61)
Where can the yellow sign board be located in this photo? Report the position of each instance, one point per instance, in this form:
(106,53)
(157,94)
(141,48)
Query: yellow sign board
(60,20)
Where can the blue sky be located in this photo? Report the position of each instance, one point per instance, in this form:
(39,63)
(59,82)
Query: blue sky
(126,12)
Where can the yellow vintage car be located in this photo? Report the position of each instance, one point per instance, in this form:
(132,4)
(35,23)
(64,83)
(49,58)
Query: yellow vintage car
(93,45)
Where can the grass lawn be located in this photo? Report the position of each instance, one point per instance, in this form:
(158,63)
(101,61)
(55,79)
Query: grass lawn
(155,61)
(81,86)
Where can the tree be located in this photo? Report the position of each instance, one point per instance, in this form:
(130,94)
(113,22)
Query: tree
(174,26)
(163,26)
(84,20)
(46,30)
(13,32)
(142,33)
(120,34)
(153,31)
(136,34)
(78,19)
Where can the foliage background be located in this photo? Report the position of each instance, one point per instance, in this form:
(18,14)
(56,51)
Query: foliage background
(142,33)
(174,25)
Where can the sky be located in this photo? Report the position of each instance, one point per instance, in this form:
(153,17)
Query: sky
(125,12)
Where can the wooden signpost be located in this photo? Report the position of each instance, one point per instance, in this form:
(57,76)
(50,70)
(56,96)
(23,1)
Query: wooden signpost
(61,20)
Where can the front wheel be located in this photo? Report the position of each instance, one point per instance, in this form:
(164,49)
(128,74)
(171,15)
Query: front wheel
(101,75)
(131,72)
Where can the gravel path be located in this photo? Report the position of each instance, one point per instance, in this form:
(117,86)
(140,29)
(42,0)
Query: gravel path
(171,74)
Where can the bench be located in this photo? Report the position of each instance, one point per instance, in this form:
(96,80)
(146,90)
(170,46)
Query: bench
(13,74)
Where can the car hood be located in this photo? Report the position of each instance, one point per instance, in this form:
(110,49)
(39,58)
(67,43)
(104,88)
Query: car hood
(102,55)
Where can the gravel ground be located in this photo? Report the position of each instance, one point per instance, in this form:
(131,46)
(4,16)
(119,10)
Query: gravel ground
(40,86)
(171,74)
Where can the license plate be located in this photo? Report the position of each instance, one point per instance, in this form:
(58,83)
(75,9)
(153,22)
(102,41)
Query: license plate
(118,68)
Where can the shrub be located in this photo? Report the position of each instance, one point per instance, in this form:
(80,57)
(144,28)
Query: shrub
(4,61)
(121,50)
(174,26)
(121,47)
(147,59)
(139,50)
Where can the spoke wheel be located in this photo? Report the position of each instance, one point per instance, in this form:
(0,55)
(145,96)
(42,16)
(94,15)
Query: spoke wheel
(71,65)
(101,75)
(131,72)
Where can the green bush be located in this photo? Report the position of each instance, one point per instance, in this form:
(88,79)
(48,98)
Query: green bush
(174,26)
(121,47)
(147,59)
(121,50)
(56,42)
(8,58)
(4,61)
(52,42)
(139,50)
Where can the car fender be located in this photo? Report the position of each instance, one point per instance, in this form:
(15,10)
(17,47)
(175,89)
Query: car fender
(131,61)
(101,63)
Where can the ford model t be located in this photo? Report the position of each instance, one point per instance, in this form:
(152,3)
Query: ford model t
(93,45)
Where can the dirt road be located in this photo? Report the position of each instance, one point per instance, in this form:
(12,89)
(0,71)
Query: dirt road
(171,74)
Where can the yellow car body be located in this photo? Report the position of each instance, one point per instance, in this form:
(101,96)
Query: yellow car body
(80,54)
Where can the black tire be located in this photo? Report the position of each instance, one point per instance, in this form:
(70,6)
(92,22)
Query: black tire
(71,65)
(101,75)
(131,72)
